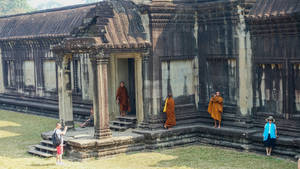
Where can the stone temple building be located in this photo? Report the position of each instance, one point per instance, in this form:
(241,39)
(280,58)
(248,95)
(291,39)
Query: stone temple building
(61,62)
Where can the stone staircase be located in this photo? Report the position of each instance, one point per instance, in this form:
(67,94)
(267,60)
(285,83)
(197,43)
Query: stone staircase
(123,123)
(44,149)
(186,114)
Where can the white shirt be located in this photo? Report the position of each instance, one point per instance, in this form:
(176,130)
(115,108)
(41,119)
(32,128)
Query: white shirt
(270,128)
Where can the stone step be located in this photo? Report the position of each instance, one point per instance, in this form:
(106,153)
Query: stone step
(183,110)
(186,111)
(40,154)
(225,116)
(277,151)
(187,115)
(187,122)
(47,143)
(210,122)
(117,128)
(185,107)
(127,118)
(122,123)
(45,149)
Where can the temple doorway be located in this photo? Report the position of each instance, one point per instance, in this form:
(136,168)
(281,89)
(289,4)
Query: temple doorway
(126,73)
(126,67)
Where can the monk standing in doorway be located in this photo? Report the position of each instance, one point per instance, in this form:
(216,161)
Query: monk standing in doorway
(123,99)
(215,108)
(169,108)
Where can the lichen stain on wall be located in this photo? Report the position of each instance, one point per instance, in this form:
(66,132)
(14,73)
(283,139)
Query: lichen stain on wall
(29,75)
(270,88)
(179,74)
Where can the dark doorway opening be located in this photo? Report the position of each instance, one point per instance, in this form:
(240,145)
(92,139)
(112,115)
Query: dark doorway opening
(131,86)
(126,73)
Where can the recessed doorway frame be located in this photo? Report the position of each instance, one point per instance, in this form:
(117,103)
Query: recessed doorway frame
(114,82)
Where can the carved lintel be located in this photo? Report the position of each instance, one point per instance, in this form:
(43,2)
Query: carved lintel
(100,58)
(103,61)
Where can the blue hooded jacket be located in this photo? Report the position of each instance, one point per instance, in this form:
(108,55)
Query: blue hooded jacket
(272,133)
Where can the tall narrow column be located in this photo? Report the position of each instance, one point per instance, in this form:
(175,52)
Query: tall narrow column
(146,87)
(38,64)
(2,87)
(65,91)
(100,100)
(84,60)
(151,118)
(139,89)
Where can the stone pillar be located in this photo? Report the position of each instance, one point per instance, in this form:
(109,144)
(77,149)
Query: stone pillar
(39,65)
(146,87)
(84,60)
(91,83)
(100,99)
(151,119)
(2,87)
(64,90)
(139,89)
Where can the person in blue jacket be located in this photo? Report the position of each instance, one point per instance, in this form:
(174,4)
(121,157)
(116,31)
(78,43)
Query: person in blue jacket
(269,135)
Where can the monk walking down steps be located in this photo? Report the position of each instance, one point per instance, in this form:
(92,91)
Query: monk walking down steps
(123,99)
(169,109)
(215,108)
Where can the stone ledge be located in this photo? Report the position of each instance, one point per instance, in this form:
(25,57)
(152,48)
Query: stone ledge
(282,140)
(87,143)
(138,140)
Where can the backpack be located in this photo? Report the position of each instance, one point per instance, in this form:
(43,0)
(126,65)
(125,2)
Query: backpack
(56,139)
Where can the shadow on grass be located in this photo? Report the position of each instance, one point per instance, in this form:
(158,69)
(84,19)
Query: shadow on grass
(21,131)
(43,165)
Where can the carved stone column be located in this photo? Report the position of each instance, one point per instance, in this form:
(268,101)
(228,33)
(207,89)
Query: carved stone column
(84,63)
(64,90)
(100,100)
(2,87)
(151,120)
(146,86)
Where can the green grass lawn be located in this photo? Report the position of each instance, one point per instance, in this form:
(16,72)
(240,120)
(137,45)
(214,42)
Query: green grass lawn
(18,131)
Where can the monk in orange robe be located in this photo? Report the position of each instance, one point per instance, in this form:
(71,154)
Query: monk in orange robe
(169,108)
(215,108)
(123,99)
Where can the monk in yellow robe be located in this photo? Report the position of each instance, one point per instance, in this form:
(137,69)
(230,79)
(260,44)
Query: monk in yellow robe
(123,99)
(215,108)
(169,109)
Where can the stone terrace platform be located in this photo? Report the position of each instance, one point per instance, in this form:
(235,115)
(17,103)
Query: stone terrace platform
(80,143)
